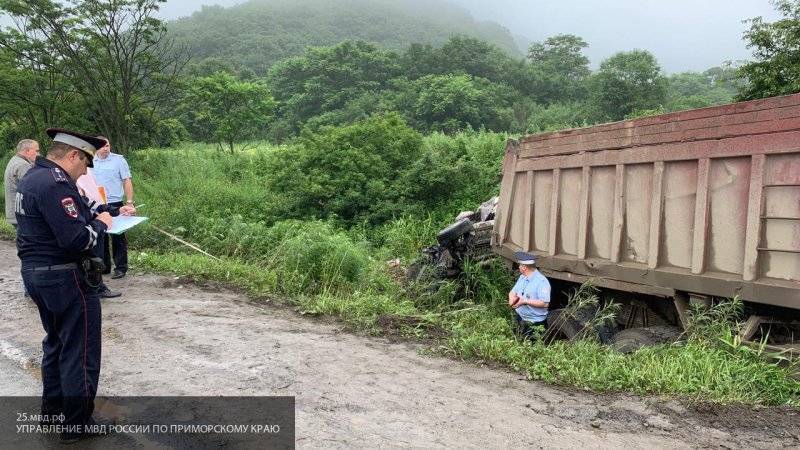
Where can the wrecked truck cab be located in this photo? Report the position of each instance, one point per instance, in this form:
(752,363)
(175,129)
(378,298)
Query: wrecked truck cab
(468,238)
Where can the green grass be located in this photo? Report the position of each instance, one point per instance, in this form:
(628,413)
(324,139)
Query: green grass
(7,232)
(695,370)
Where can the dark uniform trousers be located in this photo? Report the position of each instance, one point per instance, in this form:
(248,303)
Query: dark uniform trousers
(525,329)
(70,314)
(119,248)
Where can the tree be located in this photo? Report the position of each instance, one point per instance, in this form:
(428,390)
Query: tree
(462,54)
(34,92)
(114,53)
(627,82)
(449,103)
(776,48)
(224,110)
(558,69)
(689,90)
(325,79)
(350,173)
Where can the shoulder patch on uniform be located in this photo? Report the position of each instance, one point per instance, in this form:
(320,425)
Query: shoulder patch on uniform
(68,203)
(58,175)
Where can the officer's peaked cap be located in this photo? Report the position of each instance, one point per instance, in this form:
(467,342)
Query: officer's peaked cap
(84,142)
(524,258)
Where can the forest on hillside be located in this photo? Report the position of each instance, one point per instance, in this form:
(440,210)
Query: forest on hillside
(259,33)
(246,73)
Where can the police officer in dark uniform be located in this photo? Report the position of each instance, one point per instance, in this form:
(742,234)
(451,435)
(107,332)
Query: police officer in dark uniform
(57,232)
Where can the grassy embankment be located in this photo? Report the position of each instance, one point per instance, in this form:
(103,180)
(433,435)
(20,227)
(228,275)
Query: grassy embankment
(219,202)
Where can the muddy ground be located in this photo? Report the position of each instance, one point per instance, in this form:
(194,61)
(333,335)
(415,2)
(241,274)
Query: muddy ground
(167,338)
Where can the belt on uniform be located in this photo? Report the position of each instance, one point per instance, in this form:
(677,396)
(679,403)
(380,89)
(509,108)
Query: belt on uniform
(57,267)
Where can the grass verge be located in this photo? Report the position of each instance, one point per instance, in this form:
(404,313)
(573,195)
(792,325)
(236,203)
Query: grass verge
(704,369)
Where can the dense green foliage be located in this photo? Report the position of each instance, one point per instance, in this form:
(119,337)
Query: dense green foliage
(448,84)
(558,69)
(776,47)
(368,172)
(628,82)
(255,35)
(111,60)
(353,173)
(222,109)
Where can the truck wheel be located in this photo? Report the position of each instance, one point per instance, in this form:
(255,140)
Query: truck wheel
(571,327)
(559,324)
(454,231)
(632,339)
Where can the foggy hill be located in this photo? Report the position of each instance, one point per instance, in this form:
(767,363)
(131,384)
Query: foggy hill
(256,34)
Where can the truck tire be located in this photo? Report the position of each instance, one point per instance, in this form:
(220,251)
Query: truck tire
(454,231)
(632,339)
(559,324)
(571,327)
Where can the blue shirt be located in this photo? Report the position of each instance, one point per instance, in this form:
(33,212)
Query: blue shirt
(109,173)
(533,287)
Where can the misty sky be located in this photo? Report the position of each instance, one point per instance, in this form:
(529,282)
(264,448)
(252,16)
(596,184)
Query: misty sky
(682,34)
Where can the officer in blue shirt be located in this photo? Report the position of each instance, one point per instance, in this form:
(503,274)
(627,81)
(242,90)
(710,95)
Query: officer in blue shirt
(112,172)
(530,296)
(56,233)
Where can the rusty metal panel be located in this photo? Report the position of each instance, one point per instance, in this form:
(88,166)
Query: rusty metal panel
(517,231)
(780,245)
(768,144)
(741,119)
(569,216)
(542,187)
(755,206)
(638,198)
(502,222)
(729,190)
(680,188)
(656,216)
(782,202)
(601,207)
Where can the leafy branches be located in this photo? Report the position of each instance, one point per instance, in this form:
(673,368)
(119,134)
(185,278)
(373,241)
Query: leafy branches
(224,110)
(776,47)
(114,53)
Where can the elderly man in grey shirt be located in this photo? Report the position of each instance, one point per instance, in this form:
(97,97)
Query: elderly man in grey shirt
(18,165)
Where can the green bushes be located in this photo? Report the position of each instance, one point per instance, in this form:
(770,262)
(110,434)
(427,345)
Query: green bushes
(316,258)
(348,173)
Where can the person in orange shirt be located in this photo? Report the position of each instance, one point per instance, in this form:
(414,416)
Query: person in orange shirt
(93,195)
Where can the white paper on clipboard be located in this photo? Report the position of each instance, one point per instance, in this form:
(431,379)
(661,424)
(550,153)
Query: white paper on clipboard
(121,224)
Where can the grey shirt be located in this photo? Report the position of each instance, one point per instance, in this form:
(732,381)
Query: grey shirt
(17,167)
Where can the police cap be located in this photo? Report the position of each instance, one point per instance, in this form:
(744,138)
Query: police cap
(524,258)
(84,142)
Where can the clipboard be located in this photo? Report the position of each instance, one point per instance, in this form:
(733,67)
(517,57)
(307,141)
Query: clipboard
(121,224)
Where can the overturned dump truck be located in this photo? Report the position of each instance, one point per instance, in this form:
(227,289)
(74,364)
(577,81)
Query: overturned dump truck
(666,210)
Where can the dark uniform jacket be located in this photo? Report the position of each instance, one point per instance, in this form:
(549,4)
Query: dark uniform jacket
(55,224)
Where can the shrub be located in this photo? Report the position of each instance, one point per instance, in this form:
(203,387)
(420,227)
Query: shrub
(348,173)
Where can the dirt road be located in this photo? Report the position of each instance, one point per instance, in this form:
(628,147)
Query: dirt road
(164,338)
